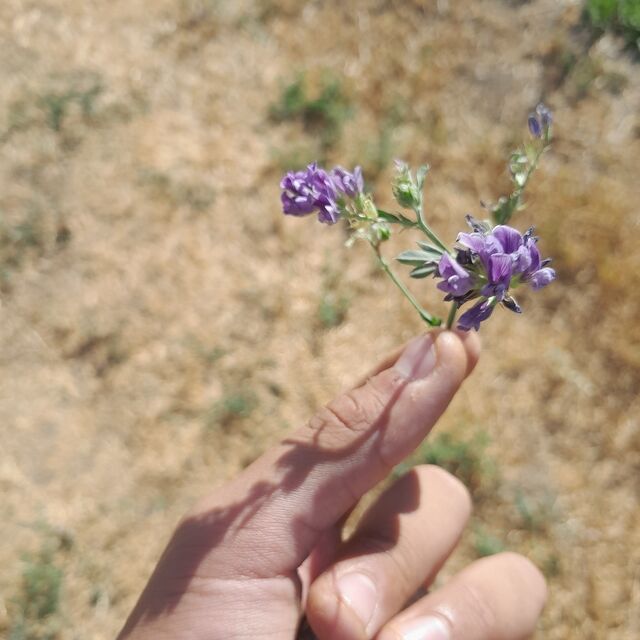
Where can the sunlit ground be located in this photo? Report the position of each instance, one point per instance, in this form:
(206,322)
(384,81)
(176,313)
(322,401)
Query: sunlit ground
(162,323)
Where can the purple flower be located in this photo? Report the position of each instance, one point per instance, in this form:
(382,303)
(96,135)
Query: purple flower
(489,264)
(472,318)
(517,257)
(304,192)
(298,197)
(314,190)
(542,278)
(351,184)
(457,281)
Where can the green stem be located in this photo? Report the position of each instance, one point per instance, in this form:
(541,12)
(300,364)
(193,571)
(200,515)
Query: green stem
(427,317)
(452,314)
(531,170)
(427,229)
(517,194)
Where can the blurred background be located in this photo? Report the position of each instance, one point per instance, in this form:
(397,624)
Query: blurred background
(162,323)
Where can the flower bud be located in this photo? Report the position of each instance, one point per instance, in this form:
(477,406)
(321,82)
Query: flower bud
(534,126)
(545,115)
(540,122)
(405,190)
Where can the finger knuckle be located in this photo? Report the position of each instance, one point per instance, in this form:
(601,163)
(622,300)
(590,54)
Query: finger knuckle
(355,411)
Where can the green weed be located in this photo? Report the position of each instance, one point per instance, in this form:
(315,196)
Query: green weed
(42,581)
(466,459)
(333,305)
(36,610)
(198,196)
(551,566)
(19,239)
(322,112)
(56,105)
(619,16)
(486,544)
(534,514)
(332,310)
(52,108)
(233,406)
(583,75)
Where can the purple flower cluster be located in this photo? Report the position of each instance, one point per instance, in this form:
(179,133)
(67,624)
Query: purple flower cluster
(490,262)
(315,190)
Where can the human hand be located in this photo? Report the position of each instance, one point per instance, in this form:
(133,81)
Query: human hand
(265,549)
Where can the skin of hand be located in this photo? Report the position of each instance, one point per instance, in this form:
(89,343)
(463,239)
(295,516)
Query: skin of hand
(258,554)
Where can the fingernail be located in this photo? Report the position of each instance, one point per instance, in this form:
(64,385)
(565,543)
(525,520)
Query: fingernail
(418,359)
(360,594)
(428,628)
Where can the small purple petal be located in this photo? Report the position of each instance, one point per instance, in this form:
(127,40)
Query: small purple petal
(329,212)
(545,115)
(500,269)
(351,184)
(522,260)
(457,281)
(474,241)
(297,197)
(534,260)
(509,238)
(296,206)
(472,318)
(535,127)
(483,245)
(542,278)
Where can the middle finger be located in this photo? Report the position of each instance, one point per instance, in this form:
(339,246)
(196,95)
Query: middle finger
(400,544)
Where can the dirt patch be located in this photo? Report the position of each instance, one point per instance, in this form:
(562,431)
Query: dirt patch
(162,323)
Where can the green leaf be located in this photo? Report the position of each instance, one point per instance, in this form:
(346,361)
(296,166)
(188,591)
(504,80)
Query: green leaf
(505,208)
(424,271)
(385,215)
(436,252)
(396,218)
(415,257)
(429,319)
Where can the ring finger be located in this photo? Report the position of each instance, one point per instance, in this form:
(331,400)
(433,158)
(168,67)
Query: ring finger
(496,598)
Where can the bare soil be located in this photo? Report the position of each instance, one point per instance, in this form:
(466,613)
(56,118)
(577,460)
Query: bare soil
(161,322)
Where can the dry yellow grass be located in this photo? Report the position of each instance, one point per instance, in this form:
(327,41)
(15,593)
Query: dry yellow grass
(153,294)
